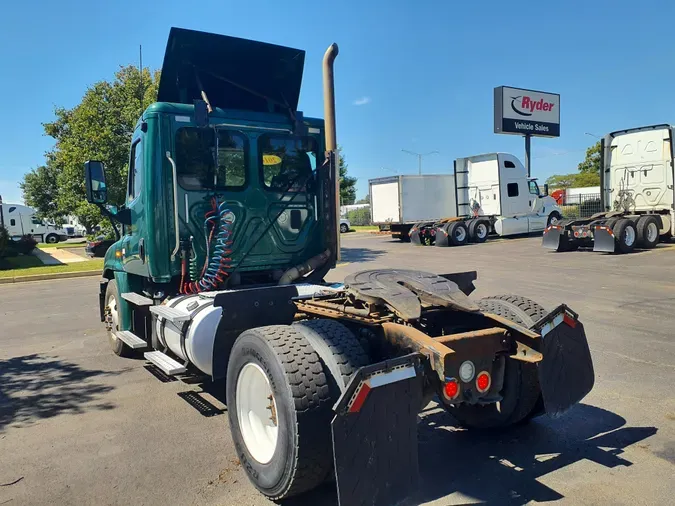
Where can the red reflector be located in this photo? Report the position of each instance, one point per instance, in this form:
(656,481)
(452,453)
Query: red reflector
(433,231)
(483,382)
(451,389)
(360,399)
(569,320)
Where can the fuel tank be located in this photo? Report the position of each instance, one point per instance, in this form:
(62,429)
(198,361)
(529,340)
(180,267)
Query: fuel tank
(191,339)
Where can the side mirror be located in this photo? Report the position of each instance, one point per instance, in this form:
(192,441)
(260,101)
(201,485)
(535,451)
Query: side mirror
(545,189)
(94,181)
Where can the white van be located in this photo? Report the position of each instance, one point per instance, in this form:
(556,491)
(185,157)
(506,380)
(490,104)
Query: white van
(22,220)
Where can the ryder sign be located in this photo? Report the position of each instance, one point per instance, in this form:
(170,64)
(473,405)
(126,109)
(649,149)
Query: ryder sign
(527,112)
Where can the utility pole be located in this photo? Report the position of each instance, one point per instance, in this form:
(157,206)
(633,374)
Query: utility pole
(2,216)
(419,158)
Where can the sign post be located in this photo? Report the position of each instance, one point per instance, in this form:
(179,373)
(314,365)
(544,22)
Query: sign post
(526,112)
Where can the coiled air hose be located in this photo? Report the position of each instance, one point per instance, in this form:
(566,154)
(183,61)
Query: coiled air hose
(217,231)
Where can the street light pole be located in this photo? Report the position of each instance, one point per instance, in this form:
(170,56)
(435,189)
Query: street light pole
(419,157)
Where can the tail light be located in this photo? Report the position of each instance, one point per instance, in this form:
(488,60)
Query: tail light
(483,382)
(451,389)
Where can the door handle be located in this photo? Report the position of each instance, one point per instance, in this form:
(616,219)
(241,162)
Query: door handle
(141,249)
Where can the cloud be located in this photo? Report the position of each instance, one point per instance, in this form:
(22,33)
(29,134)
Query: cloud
(362,101)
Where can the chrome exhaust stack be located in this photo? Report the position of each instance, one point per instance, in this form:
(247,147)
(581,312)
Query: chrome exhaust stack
(331,138)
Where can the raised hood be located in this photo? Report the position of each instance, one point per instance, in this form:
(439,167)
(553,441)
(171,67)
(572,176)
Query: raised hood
(235,73)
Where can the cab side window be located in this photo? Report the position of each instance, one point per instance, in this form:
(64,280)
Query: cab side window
(512,189)
(135,171)
(534,188)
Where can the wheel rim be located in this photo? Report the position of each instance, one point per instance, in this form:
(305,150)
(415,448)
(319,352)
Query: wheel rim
(652,232)
(630,236)
(51,239)
(481,230)
(114,316)
(460,234)
(257,413)
(553,220)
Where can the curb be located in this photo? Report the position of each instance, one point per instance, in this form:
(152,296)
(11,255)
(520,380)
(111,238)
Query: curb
(45,277)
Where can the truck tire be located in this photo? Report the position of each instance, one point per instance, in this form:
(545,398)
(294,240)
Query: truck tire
(553,218)
(52,239)
(339,350)
(610,222)
(625,236)
(281,426)
(647,232)
(458,234)
(344,228)
(479,230)
(112,308)
(521,392)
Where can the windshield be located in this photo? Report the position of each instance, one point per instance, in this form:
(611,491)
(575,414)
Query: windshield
(211,158)
(287,161)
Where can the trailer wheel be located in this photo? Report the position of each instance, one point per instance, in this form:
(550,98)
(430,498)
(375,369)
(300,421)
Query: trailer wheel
(479,230)
(647,232)
(280,409)
(521,392)
(625,236)
(112,309)
(457,233)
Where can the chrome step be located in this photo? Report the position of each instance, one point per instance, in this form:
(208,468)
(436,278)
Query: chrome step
(171,314)
(137,299)
(168,365)
(131,339)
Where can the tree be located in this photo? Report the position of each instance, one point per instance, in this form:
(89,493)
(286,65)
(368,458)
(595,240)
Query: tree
(347,184)
(98,128)
(591,164)
(40,190)
(364,200)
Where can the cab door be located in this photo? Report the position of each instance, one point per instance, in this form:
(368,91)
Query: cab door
(133,243)
(538,217)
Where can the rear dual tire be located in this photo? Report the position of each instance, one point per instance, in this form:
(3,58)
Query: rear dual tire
(306,366)
(521,391)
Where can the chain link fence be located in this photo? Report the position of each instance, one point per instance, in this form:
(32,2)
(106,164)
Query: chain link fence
(582,205)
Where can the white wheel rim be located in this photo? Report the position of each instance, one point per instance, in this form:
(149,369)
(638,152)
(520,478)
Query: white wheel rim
(460,234)
(652,232)
(554,220)
(114,315)
(481,230)
(257,413)
(630,236)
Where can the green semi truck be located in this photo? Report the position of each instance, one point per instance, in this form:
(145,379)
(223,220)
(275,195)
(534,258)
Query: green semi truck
(230,226)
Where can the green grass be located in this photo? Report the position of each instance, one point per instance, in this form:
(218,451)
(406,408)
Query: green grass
(365,228)
(62,245)
(21,262)
(29,270)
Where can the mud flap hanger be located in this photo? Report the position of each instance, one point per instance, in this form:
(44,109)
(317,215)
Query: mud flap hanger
(374,433)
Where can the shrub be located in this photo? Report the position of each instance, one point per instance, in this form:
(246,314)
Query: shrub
(359,217)
(4,242)
(25,245)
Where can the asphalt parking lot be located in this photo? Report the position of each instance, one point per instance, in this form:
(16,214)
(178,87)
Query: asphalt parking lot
(79,425)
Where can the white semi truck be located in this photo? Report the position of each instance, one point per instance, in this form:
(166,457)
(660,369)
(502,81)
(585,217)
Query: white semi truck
(489,193)
(22,220)
(637,201)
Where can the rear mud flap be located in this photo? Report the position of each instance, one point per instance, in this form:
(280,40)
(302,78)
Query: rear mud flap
(551,239)
(442,237)
(566,373)
(603,240)
(415,236)
(375,433)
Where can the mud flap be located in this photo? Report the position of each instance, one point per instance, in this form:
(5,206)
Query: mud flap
(603,239)
(375,433)
(415,236)
(566,372)
(552,237)
(442,237)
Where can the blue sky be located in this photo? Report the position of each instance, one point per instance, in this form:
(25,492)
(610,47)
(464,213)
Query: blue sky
(410,75)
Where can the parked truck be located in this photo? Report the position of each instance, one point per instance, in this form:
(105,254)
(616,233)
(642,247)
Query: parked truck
(636,174)
(487,194)
(231,224)
(22,220)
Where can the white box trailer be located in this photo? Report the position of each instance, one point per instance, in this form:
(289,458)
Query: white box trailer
(488,193)
(398,202)
(637,195)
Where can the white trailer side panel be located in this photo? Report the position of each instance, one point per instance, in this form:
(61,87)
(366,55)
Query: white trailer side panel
(384,200)
(427,197)
(639,164)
